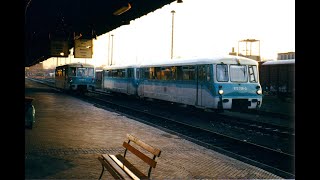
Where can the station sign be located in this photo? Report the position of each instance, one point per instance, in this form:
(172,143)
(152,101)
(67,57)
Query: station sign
(59,48)
(83,48)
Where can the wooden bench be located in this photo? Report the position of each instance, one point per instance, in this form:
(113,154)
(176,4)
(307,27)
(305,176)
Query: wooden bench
(119,165)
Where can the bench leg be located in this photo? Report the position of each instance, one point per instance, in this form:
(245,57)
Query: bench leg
(101,171)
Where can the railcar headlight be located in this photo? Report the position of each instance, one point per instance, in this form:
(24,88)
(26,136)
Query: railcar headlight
(259,91)
(220,91)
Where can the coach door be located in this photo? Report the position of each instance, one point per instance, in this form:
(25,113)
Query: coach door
(201,84)
(139,82)
(130,83)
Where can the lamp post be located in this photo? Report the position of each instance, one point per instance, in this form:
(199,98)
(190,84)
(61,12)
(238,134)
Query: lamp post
(111,49)
(172,33)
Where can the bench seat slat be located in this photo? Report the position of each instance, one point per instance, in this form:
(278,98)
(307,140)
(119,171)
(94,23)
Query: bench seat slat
(113,168)
(130,166)
(146,146)
(123,167)
(142,156)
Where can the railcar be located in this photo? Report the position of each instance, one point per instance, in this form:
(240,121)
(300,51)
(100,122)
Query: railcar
(225,82)
(120,79)
(75,77)
(278,77)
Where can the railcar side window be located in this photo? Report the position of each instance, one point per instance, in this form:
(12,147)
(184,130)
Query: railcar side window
(146,73)
(139,73)
(204,72)
(130,73)
(152,74)
(238,73)
(168,73)
(253,73)
(207,72)
(179,73)
(157,71)
(222,73)
(188,72)
(58,72)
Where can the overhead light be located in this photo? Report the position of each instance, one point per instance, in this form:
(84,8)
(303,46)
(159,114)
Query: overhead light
(122,10)
(125,22)
(179,1)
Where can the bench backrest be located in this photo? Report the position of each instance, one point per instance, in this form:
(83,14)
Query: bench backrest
(156,152)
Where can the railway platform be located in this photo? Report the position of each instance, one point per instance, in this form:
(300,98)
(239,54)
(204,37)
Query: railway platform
(69,134)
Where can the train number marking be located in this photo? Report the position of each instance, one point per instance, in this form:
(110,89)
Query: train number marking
(240,88)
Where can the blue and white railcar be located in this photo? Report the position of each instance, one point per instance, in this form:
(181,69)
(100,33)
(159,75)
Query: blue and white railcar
(228,82)
(75,77)
(120,79)
(224,82)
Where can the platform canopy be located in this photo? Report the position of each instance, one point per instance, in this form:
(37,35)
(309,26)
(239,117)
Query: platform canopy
(49,21)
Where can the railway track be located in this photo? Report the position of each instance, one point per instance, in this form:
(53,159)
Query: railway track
(276,137)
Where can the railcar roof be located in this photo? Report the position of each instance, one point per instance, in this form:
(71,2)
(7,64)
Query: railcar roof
(288,61)
(120,67)
(227,59)
(77,65)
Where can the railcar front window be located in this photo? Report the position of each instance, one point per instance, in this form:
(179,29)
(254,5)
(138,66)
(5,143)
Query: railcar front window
(91,72)
(238,73)
(222,73)
(73,71)
(85,72)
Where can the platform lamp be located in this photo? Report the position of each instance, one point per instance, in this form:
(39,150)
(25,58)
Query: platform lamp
(122,10)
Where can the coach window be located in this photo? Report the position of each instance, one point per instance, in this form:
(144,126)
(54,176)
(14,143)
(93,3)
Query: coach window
(222,73)
(238,73)
(253,73)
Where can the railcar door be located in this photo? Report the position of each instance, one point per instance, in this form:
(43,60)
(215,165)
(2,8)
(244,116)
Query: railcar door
(130,83)
(139,81)
(199,71)
(202,75)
